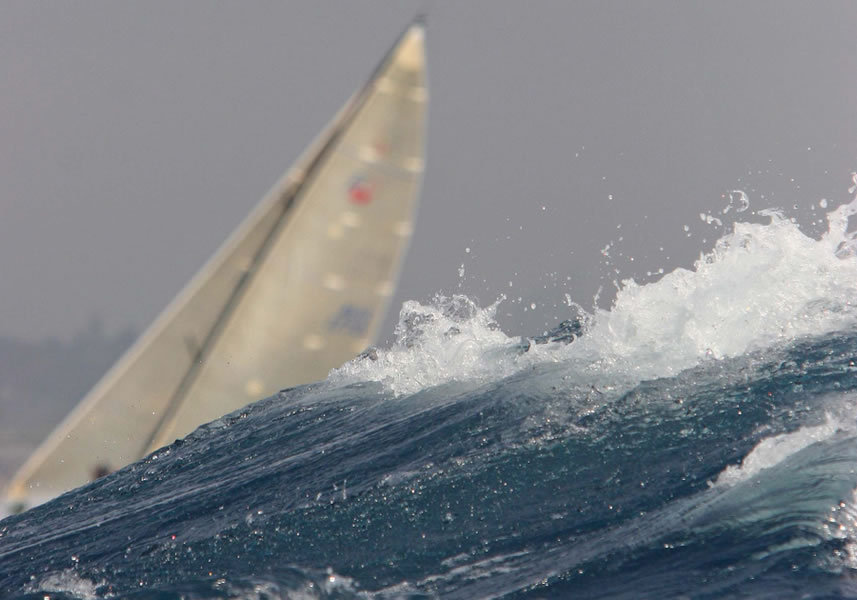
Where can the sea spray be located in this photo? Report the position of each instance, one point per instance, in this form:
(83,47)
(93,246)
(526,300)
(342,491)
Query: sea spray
(444,341)
(760,285)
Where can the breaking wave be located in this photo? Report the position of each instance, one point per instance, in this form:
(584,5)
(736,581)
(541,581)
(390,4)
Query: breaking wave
(698,439)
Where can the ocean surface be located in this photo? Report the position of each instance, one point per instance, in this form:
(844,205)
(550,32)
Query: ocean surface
(698,439)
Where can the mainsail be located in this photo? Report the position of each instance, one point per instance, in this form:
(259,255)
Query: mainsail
(299,288)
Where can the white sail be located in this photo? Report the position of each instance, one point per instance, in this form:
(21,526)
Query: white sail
(299,288)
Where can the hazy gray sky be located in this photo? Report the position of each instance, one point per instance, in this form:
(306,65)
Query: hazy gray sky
(135,136)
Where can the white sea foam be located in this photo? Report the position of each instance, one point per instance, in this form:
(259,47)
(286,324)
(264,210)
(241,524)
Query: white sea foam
(761,284)
(67,582)
(773,450)
(450,339)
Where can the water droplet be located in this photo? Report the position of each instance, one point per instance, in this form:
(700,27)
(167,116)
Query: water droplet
(739,196)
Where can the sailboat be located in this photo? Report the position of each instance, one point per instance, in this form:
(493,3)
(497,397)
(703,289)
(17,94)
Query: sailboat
(300,287)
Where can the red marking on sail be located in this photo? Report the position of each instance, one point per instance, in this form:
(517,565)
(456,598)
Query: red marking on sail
(360,190)
(382,146)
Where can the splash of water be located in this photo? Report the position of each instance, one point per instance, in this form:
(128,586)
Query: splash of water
(761,285)
(450,339)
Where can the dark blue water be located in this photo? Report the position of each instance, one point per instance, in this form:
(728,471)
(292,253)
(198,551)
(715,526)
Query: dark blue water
(529,486)
(698,440)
